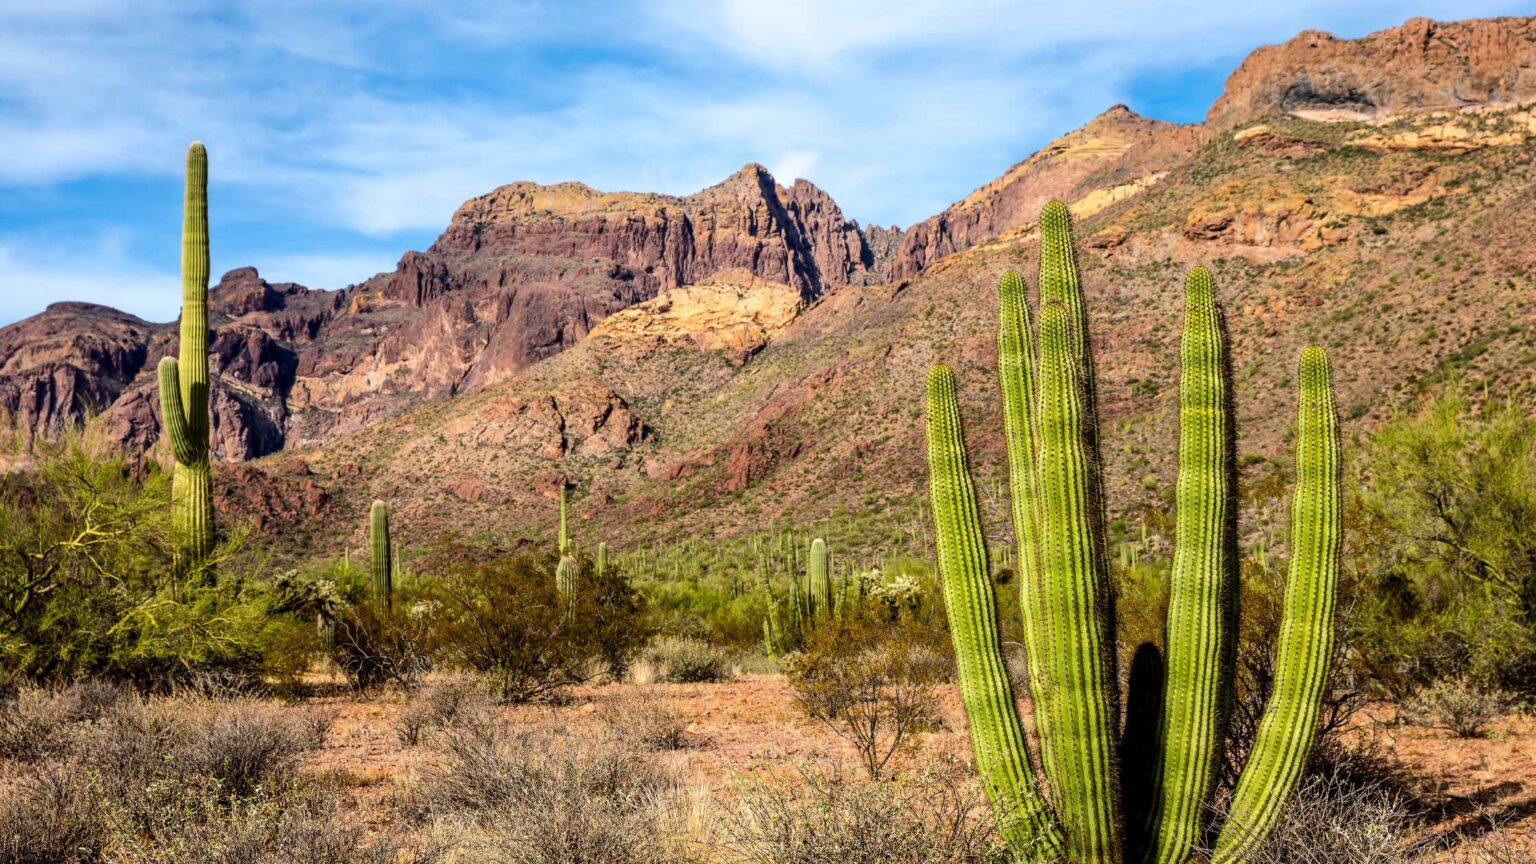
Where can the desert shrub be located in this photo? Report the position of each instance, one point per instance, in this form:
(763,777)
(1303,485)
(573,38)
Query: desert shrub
(165,763)
(1459,705)
(85,546)
(36,722)
(646,718)
(501,615)
(547,798)
(286,828)
(872,681)
(822,817)
(686,660)
(51,816)
(1449,495)
(373,646)
(1329,822)
(439,706)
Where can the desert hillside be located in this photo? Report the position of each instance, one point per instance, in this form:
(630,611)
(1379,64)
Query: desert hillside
(709,365)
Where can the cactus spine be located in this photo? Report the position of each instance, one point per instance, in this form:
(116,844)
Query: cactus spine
(184,381)
(1049,421)
(381,561)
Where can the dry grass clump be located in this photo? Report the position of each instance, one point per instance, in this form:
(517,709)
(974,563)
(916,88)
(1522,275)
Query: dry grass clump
(440,705)
(36,722)
(1459,705)
(646,718)
(51,816)
(825,816)
(546,797)
(176,781)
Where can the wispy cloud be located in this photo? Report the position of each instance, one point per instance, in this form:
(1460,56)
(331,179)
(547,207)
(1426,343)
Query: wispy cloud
(343,128)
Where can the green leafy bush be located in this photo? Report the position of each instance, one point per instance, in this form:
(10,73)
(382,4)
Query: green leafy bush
(501,615)
(87,588)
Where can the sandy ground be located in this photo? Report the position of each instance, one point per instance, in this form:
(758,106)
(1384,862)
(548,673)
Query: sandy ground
(1485,788)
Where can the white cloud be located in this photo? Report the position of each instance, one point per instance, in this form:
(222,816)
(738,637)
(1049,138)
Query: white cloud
(378,118)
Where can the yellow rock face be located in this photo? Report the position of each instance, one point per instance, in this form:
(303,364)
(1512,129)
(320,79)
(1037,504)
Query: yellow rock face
(732,312)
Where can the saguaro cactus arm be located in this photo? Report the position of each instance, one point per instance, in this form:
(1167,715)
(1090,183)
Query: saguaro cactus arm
(997,736)
(1288,728)
(1189,742)
(184,447)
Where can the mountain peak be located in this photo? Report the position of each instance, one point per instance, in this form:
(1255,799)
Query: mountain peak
(1422,65)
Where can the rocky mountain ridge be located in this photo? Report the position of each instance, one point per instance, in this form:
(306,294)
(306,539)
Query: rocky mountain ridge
(752,340)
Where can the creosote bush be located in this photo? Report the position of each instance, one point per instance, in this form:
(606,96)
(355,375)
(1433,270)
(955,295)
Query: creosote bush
(872,681)
(502,616)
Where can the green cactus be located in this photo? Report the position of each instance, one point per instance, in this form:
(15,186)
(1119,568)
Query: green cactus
(1167,768)
(818,585)
(816,597)
(602,560)
(565,571)
(381,562)
(1189,742)
(184,381)
(1289,725)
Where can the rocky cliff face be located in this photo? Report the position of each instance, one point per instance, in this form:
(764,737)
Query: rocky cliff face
(519,275)
(750,338)
(1117,149)
(1422,65)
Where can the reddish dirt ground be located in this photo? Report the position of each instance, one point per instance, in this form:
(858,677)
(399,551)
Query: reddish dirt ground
(1485,788)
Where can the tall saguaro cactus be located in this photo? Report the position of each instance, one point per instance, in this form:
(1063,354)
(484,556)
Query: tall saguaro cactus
(184,381)
(565,570)
(381,560)
(1047,411)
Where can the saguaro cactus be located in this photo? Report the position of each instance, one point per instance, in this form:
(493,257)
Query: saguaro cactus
(381,561)
(816,596)
(184,380)
(818,584)
(1049,424)
(565,571)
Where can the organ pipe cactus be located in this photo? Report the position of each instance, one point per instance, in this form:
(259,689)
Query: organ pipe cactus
(381,561)
(1047,399)
(184,381)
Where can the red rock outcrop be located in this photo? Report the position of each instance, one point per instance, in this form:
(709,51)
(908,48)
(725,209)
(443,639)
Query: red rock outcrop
(1422,65)
(1117,147)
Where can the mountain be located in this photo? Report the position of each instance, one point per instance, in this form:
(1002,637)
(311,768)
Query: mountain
(712,364)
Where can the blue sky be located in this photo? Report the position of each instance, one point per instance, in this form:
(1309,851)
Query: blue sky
(343,133)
